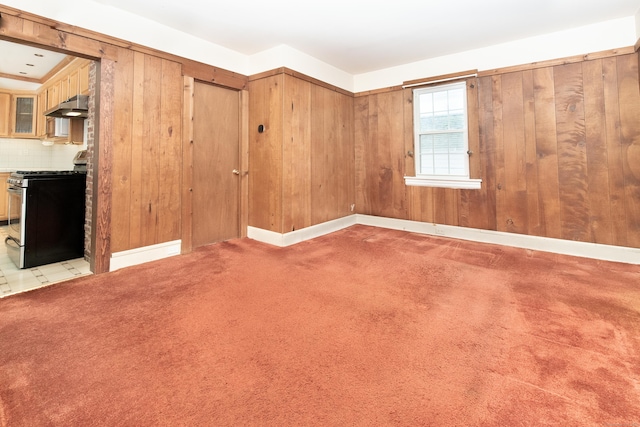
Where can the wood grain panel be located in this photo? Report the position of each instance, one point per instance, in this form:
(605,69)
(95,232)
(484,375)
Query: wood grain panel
(332,152)
(296,155)
(122,145)
(170,150)
(344,161)
(148,207)
(362,148)
(137,154)
(147,154)
(547,151)
(629,101)
(265,153)
(614,152)
(534,226)
(187,165)
(452,203)
(513,144)
(386,172)
(502,212)
(572,156)
(597,163)
(318,150)
(347,160)
(336,190)
(423,204)
(485,211)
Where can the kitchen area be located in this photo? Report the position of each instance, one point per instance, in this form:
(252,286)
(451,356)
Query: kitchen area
(44,103)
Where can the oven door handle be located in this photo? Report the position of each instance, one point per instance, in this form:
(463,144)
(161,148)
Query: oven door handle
(11,239)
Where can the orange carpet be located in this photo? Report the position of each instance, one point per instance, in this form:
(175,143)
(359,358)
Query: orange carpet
(363,327)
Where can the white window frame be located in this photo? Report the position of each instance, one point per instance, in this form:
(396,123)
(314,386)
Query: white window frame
(443,181)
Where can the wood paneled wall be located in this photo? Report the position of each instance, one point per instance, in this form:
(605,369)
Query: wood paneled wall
(138,152)
(146,150)
(559,150)
(301,168)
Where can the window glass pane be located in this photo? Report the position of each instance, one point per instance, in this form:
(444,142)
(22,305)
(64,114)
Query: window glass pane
(441,102)
(441,130)
(456,120)
(441,164)
(456,100)
(441,143)
(426,143)
(456,142)
(426,103)
(426,164)
(457,164)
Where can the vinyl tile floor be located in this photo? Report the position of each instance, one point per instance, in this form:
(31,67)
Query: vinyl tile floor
(14,280)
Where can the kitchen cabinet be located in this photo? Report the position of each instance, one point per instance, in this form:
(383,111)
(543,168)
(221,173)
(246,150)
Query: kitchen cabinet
(41,123)
(74,89)
(5,114)
(83,79)
(23,117)
(18,115)
(4,196)
(65,131)
(53,95)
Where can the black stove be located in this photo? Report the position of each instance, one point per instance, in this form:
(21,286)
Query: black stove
(31,174)
(46,217)
(21,178)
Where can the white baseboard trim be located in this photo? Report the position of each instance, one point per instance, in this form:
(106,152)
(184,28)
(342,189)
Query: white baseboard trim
(293,237)
(145,254)
(546,244)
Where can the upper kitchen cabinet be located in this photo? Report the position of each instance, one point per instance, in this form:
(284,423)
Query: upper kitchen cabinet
(18,115)
(83,79)
(5,114)
(69,82)
(23,118)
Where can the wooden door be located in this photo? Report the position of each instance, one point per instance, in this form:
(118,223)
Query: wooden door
(216,187)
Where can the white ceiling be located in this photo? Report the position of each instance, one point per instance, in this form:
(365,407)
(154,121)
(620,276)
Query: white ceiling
(25,62)
(365,35)
(355,36)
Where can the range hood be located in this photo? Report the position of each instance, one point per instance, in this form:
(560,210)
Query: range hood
(76,106)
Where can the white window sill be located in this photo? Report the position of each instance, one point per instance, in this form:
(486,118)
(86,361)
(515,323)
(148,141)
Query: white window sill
(465,184)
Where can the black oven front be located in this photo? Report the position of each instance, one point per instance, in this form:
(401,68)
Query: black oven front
(46,221)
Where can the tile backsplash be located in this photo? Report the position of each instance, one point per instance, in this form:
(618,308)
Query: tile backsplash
(18,154)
